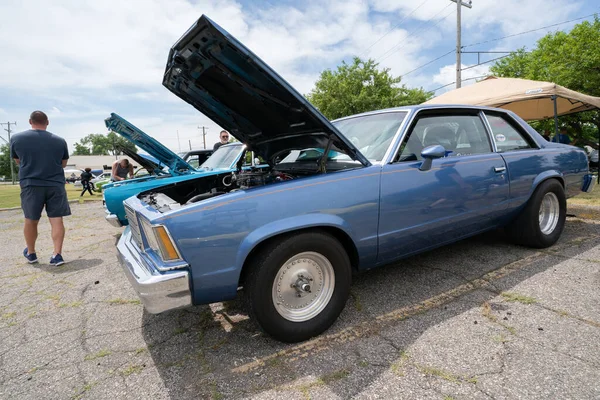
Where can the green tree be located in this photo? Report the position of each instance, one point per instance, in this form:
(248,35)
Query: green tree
(99,144)
(81,150)
(5,161)
(570,59)
(360,87)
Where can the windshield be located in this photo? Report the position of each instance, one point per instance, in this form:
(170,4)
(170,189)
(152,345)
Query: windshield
(223,157)
(371,134)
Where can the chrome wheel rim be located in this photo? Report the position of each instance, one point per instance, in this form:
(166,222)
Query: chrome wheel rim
(549,213)
(303,286)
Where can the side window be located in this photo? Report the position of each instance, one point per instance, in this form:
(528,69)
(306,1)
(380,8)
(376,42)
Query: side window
(193,161)
(461,135)
(506,136)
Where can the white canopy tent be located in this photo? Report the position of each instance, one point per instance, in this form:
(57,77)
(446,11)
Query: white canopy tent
(531,100)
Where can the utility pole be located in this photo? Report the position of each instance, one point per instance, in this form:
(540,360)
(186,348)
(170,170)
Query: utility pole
(204,129)
(178,142)
(190,143)
(459,5)
(12,162)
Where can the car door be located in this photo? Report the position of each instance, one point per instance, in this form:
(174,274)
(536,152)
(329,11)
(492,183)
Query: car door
(460,194)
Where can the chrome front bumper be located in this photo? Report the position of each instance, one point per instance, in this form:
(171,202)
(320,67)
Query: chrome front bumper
(113,220)
(158,291)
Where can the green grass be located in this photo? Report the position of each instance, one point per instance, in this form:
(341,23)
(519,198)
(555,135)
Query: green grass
(100,354)
(509,296)
(120,301)
(10,195)
(590,199)
(132,369)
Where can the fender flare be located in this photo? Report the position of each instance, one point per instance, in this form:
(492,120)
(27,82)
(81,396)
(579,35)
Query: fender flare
(544,176)
(275,228)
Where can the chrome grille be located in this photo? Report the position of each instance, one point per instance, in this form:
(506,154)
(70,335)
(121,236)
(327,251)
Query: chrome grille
(134,225)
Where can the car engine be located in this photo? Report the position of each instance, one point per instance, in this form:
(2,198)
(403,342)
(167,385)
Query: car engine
(180,195)
(258,177)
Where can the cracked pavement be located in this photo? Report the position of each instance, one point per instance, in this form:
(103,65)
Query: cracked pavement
(480,319)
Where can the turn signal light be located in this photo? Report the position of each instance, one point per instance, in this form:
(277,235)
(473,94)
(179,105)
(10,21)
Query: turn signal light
(165,244)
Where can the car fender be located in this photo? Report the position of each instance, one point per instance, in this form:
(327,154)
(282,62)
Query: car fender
(265,232)
(545,176)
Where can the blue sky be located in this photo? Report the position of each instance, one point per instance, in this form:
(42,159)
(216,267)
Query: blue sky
(81,60)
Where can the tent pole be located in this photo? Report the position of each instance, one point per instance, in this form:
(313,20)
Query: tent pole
(555,117)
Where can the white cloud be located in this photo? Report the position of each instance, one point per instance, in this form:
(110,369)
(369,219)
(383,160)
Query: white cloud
(447,74)
(89,58)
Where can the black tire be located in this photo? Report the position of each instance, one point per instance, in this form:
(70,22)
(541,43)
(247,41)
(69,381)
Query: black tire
(264,267)
(525,228)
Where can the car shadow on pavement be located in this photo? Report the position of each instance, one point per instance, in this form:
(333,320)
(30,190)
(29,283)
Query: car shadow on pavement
(217,352)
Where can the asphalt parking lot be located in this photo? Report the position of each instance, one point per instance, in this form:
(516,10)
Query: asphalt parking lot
(479,319)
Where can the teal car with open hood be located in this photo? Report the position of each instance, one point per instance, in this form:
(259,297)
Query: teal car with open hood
(383,185)
(224,160)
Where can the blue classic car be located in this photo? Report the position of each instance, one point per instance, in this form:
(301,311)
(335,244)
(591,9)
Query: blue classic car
(401,181)
(178,170)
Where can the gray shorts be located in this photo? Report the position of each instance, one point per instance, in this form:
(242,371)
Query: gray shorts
(54,198)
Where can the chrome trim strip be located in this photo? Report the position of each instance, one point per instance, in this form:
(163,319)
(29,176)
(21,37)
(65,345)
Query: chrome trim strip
(488,128)
(397,140)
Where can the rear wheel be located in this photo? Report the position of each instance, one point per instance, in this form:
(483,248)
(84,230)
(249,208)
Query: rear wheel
(542,221)
(298,285)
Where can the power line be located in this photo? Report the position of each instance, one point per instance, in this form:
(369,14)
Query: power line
(485,62)
(400,45)
(395,26)
(532,30)
(426,64)
(452,83)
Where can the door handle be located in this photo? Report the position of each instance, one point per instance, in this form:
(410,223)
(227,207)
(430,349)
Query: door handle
(499,169)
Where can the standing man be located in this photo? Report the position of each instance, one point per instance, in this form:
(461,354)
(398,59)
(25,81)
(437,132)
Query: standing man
(120,170)
(224,136)
(41,157)
(562,137)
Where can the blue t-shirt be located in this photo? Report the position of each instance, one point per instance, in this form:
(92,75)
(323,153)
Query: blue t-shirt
(562,138)
(40,155)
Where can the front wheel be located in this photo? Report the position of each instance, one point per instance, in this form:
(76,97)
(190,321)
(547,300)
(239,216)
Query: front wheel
(542,221)
(298,286)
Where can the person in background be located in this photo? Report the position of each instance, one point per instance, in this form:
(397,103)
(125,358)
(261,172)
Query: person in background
(546,135)
(592,156)
(86,176)
(224,137)
(120,170)
(42,157)
(562,137)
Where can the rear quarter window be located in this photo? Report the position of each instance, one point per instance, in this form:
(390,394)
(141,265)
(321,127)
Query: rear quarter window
(507,135)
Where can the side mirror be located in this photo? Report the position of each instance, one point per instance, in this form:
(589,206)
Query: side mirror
(430,153)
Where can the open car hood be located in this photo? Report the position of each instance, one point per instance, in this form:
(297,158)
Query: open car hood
(211,70)
(152,146)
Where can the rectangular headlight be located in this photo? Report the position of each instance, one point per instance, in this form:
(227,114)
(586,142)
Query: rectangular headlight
(160,241)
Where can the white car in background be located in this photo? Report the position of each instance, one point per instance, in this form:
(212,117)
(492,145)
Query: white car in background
(102,177)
